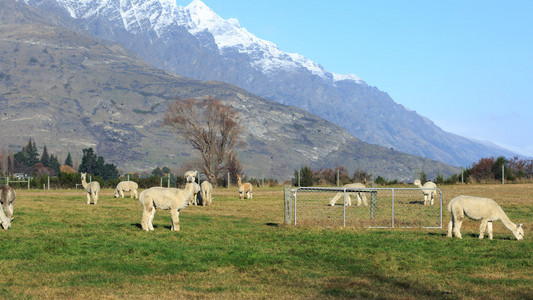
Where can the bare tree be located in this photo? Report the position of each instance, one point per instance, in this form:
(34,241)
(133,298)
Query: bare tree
(211,127)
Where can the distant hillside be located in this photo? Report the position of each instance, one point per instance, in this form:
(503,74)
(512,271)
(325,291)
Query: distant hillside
(194,41)
(69,91)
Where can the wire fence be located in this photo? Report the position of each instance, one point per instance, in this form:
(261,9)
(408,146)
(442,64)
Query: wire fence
(386,207)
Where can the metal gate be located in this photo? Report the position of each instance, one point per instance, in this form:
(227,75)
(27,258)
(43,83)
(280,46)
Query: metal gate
(386,207)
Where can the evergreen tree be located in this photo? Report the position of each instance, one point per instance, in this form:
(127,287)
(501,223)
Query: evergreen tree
(88,161)
(45,159)
(68,161)
(54,164)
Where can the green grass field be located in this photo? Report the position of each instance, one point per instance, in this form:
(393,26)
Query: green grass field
(58,247)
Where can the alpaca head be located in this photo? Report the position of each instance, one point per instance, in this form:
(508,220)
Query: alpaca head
(238,177)
(83,176)
(519,233)
(191,176)
(417,182)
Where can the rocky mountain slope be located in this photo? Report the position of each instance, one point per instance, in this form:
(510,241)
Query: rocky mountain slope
(194,41)
(69,91)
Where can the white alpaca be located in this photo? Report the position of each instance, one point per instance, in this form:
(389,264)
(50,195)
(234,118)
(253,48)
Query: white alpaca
(429,195)
(7,198)
(126,186)
(207,191)
(166,198)
(484,209)
(244,188)
(194,199)
(92,189)
(361,196)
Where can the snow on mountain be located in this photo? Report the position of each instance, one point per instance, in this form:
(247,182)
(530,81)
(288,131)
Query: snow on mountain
(265,55)
(161,16)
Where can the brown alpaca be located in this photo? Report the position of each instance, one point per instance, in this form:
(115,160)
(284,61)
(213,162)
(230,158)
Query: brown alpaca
(244,188)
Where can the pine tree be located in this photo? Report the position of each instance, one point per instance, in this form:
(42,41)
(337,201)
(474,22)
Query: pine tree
(88,161)
(68,161)
(54,164)
(45,159)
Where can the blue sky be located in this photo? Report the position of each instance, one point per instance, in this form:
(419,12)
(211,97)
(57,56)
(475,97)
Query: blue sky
(465,65)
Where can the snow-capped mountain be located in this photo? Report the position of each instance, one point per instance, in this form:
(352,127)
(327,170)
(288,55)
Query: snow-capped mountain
(194,41)
(265,56)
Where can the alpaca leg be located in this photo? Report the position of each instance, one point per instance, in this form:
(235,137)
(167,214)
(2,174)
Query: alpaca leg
(450,227)
(482,228)
(121,192)
(489,229)
(151,219)
(88,198)
(135,194)
(426,201)
(363,196)
(457,216)
(175,220)
(348,200)
(251,195)
(95,198)
(432,198)
(457,228)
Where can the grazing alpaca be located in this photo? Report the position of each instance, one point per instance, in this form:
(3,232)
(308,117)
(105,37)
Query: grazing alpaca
(207,191)
(126,186)
(360,195)
(484,209)
(429,195)
(7,198)
(245,188)
(92,189)
(166,198)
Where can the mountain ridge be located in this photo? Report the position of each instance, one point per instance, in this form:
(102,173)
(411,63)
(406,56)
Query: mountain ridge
(366,112)
(69,91)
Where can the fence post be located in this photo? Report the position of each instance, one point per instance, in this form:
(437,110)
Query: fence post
(48,182)
(168,183)
(229,184)
(29,183)
(7,180)
(299,178)
(338,175)
(287,206)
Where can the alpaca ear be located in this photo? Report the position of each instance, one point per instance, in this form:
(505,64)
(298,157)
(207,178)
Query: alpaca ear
(520,225)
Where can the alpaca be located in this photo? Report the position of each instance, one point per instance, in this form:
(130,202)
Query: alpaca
(166,198)
(360,195)
(92,189)
(7,198)
(194,199)
(429,195)
(207,191)
(126,186)
(244,188)
(484,209)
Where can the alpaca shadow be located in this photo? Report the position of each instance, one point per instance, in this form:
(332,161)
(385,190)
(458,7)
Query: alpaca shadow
(270,224)
(138,225)
(417,202)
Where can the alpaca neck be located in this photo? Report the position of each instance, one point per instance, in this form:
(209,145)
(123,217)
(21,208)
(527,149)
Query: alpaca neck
(239,182)
(419,185)
(84,183)
(189,189)
(507,223)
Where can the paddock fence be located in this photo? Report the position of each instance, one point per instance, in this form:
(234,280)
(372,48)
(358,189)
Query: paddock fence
(387,208)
